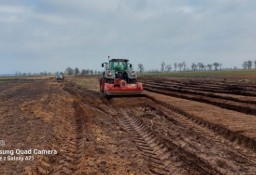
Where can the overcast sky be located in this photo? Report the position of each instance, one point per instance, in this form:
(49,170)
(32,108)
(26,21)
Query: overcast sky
(50,35)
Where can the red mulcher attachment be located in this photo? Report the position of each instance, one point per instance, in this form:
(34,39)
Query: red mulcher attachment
(122,88)
(119,79)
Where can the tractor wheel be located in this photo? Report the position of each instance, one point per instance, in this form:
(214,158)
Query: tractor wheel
(102,85)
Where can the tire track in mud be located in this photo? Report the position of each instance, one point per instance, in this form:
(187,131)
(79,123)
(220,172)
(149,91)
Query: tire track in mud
(178,161)
(222,154)
(100,105)
(214,101)
(147,143)
(74,146)
(218,87)
(163,156)
(70,145)
(197,91)
(234,137)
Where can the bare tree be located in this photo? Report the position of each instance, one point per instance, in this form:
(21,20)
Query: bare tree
(216,65)
(209,66)
(141,67)
(184,65)
(194,66)
(162,66)
(76,71)
(69,71)
(175,66)
(180,65)
(83,72)
(245,64)
(168,67)
(249,64)
(201,66)
(220,64)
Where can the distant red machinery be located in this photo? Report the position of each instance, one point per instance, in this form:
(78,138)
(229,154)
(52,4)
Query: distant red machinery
(119,79)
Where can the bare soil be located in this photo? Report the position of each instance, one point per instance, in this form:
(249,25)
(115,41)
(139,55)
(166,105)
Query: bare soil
(180,126)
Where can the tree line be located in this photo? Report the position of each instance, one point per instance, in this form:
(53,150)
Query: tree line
(177,66)
(17,73)
(182,66)
(67,71)
(77,71)
(249,64)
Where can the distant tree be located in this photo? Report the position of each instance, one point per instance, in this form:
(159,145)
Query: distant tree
(255,64)
(168,67)
(201,66)
(69,71)
(184,65)
(209,66)
(220,65)
(175,66)
(180,65)
(245,64)
(249,64)
(162,66)
(141,67)
(194,66)
(76,71)
(45,73)
(216,65)
(91,72)
(83,72)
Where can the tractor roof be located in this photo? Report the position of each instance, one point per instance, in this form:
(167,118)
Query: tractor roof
(119,59)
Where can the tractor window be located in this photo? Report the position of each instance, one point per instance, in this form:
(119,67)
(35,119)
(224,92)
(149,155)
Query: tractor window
(118,65)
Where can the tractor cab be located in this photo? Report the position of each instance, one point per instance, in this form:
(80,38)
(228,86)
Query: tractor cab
(118,64)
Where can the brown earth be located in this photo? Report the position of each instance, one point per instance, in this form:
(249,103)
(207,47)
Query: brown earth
(161,133)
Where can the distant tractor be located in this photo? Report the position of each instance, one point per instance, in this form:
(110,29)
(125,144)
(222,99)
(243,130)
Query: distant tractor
(59,77)
(119,79)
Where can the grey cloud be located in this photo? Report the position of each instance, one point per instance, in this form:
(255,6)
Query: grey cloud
(51,35)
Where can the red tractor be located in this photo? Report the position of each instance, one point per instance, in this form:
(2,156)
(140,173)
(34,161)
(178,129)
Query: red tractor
(119,79)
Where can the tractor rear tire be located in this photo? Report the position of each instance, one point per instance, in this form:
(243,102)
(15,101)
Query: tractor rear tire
(102,85)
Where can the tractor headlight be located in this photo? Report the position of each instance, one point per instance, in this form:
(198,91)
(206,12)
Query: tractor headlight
(109,74)
(133,74)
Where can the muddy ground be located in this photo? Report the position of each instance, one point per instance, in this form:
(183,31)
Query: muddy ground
(180,126)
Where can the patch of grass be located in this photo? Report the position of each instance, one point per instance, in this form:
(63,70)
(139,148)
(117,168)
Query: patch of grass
(8,77)
(88,82)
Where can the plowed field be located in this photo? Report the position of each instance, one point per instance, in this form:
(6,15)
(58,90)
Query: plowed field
(181,126)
